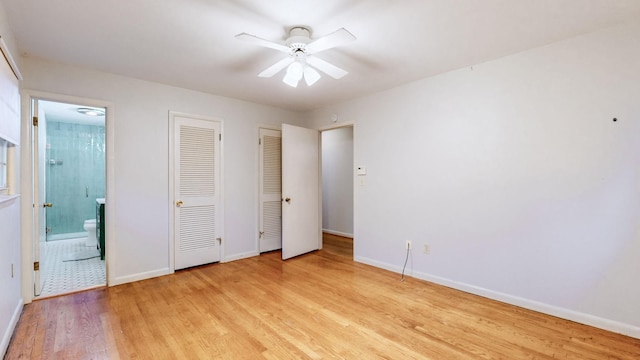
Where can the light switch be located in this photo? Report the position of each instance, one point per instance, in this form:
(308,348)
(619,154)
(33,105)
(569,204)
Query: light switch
(361,170)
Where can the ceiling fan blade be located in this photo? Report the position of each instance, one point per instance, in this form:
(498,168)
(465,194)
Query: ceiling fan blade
(277,67)
(262,42)
(327,68)
(336,38)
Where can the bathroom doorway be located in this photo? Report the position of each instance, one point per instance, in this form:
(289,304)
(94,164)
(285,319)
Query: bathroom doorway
(71,146)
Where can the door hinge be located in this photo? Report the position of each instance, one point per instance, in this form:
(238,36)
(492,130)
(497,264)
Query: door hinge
(35,121)
(36,266)
(220,137)
(260,141)
(261,234)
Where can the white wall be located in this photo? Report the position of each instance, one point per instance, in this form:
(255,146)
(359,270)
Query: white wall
(11,299)
(10,264)
(337,181)
(516,176)
(141,197)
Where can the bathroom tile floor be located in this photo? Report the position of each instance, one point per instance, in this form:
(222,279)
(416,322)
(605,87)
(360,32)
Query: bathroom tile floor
(62,271)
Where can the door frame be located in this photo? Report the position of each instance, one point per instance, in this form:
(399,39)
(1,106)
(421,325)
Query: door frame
(27,182)
(172,207)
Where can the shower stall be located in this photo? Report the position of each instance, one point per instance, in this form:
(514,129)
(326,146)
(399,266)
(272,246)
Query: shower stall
(75,176)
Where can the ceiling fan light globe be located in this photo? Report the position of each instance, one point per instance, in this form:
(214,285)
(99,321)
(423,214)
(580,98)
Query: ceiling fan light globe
(311,76)
(295,70)
(291,80)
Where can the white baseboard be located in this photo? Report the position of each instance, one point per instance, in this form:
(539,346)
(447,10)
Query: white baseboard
(240,256)
(583,318)
(339,233)
(6,337)
(166,271)
(140,276)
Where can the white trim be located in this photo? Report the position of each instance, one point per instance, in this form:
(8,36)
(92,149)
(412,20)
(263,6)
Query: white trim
(256,188)
(26,183)
(6,337)
(170,175)
(140,276)
(269,127)
(240,256)
(337,125)
(8,198)
(583,318)
(171,178)
(7,55)
(339,233)
(26,203)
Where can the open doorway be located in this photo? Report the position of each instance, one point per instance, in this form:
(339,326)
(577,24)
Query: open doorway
(70,157)
(336,148)
(337,190)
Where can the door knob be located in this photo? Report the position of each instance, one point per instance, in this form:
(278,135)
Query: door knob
(288,200)
(47,205)
(179,203)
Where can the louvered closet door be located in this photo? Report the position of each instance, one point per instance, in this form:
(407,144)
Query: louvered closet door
(270,190)
(197,195)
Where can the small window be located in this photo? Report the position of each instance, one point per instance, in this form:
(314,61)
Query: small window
(3,164)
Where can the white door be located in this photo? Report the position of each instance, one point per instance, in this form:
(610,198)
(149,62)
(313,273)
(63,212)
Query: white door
(301,217)
(270,235)
(197,200)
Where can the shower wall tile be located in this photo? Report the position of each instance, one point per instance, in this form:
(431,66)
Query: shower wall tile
(75,169)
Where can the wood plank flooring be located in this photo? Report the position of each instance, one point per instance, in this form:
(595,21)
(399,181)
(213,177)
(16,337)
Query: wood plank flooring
(317,306)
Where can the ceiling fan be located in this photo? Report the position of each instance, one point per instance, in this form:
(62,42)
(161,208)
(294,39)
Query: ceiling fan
(301,61)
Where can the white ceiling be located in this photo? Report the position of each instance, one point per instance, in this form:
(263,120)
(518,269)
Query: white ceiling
(191,44)
(63,112)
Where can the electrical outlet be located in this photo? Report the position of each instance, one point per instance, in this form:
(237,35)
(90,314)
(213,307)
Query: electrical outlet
(408,245)
(426,249)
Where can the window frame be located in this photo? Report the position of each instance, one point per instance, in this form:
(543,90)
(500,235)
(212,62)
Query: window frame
(4,165)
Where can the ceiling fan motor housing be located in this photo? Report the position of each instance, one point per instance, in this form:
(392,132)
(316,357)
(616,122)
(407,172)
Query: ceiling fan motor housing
(298,39)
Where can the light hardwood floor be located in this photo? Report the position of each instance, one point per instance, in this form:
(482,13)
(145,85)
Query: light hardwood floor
(317,306)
